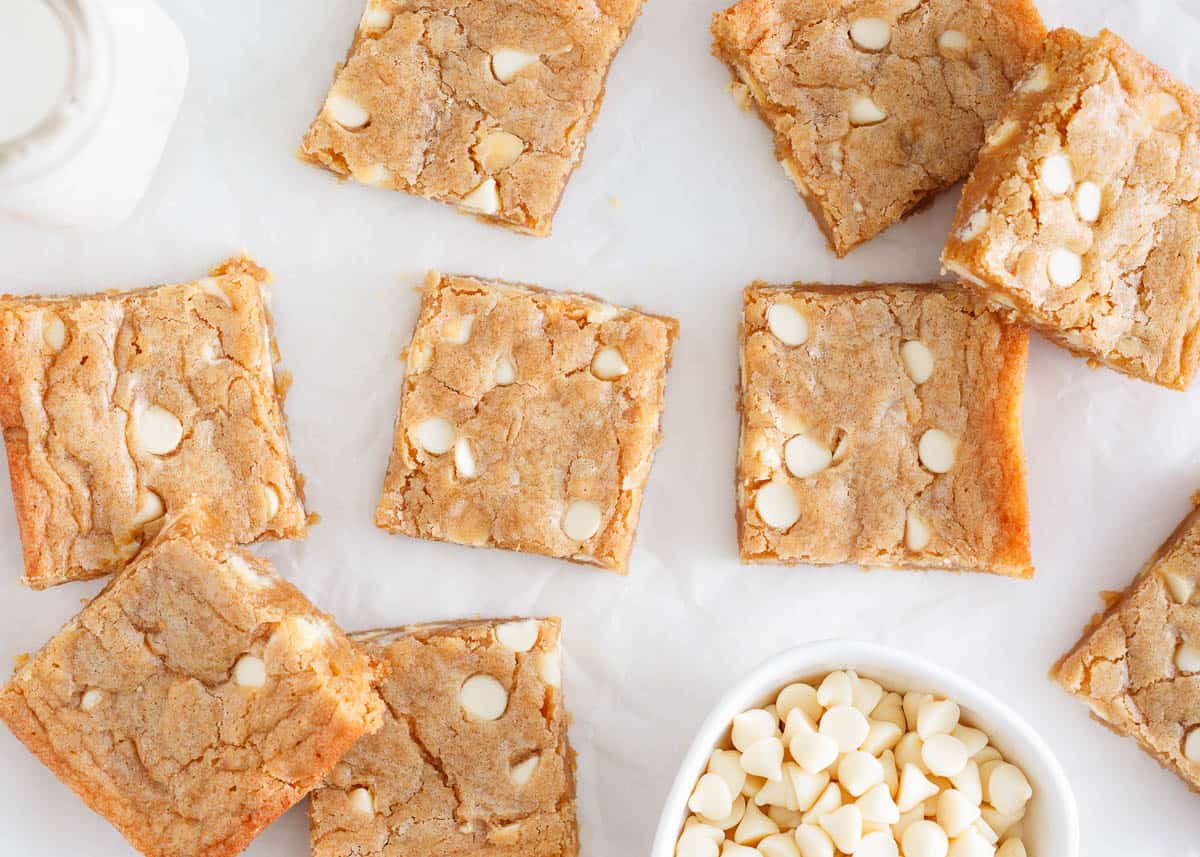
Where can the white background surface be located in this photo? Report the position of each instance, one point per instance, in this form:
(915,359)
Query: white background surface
(677,206)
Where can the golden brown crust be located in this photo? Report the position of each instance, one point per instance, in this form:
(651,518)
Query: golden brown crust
(1127,664)
(549,435)
(1129,132)
(847,389)
(442,783)
(79,373)
(136,703)
(425,74)
(803,70)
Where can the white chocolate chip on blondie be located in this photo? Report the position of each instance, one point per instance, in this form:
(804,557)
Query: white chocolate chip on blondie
(157,430)
(507,63)
(250,671)
(937,451)
(485,198)
(864,111)
(435,435)
(870,34)
(482,697)
(917,360)
(787,324)
(347,112)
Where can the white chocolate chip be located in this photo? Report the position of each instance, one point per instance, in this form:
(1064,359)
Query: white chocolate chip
(870,34)
(798,695)
(968,782)
(935,717)
(787,324)
(1187,658)
(271,498)
(520,636)
(91,698)
(882,736)
(974,227)
(779,845)
(464,459)
(482,697)
(1012,848)
(754,827)
(1180,587)
(877,805)
(877,843)
(249,671)
(1056,173)
(1038,81)
(157,430)
(844,826)
(751,726)
(499,150)
(375,20)
(434,435)
(1008,790)
(212,287)
(971,844)
(727,764)
(54,332)
(732,818)
(506,373)
(972,739)
(457,330)
(953,42)
(814,752)
(711,797)
(924,839)
(864,111)
(813,841)
(360,801)
(485,198)
(347,112)
(836,689)
(915,787)
(764,758)
(917,360)
(608,364)
(777,505)
(916,532)
(891,709)
(805,457)
(1088,200)
(1064,267)
(581,520)
(508,62)
(944,755)
(149,509)
(956,812)
(695,844)
(549,668)
(1001,133)
(806,787)
(858,771)
(846,725)
(937,451)
(829,800)
(522,771)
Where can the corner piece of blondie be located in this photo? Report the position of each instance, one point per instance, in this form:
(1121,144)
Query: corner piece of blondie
(118,408)
(196,698)
(485,105)
(881,426)
(1137,665)
(473,756)
(1082,216)
(528,421)
(875,106)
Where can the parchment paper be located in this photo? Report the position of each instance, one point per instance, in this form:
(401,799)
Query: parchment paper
(678,205)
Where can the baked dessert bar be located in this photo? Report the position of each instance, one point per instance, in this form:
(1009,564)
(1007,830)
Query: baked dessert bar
(196,698)
(875,105)
(1138,664)
(119,407)
(528,421)
(473,757)
(1082,213)
(483,104)
(881,426)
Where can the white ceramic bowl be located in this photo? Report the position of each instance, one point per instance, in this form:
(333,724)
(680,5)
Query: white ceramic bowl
(1051,824)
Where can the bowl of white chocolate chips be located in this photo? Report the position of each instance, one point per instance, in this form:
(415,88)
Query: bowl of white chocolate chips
(847,748)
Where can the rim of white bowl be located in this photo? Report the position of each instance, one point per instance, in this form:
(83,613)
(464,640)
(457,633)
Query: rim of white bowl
(1017,739)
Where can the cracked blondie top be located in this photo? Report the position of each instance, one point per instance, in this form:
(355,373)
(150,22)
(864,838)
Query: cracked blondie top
(473,757)
(117,408)
(1138,664)
(1082,215)
(484,104)
(195,699)
(881,426)
(875,104)
(528,421)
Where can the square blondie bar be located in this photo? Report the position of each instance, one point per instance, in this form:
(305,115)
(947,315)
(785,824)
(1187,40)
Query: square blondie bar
(1082,214)
(875,105)
(195,699)
(482,104)
(528,421)
(473,757)
(117,408)
(1138,664)
(881,426)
